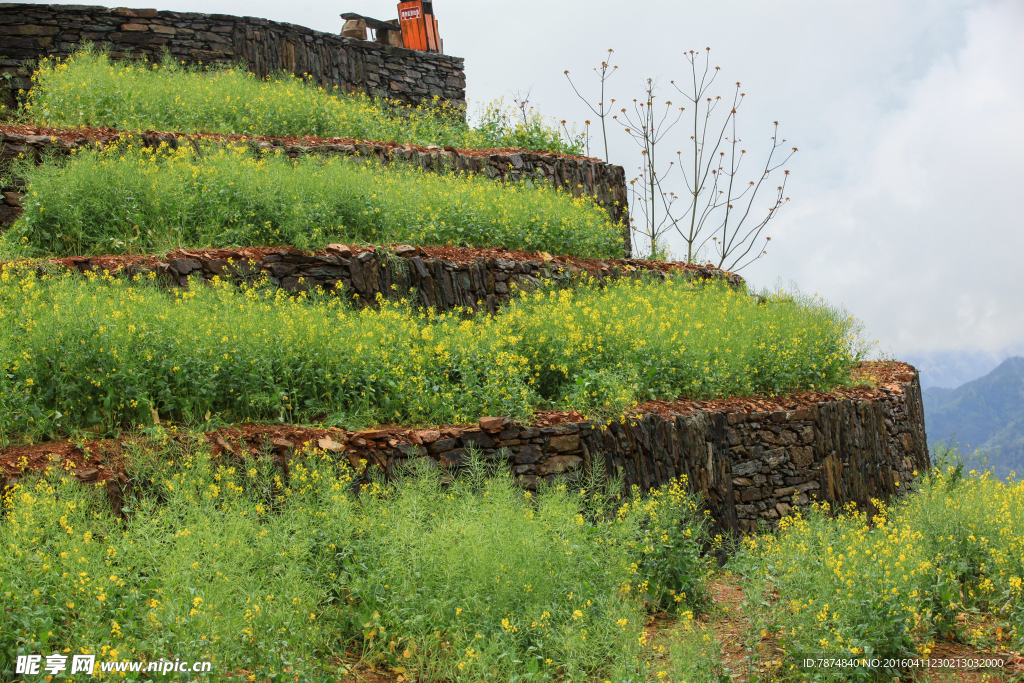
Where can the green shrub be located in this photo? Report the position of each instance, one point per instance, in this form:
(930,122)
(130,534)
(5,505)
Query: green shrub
(676,569)
(270,575)
(100,352)
(89,89)
(136,200)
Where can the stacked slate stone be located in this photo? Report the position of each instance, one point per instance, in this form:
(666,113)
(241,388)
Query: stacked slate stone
(32,32)
(403,272)
(748,467)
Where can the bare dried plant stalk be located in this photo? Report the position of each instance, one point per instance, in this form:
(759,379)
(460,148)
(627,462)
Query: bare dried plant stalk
(720,207)
(715,215)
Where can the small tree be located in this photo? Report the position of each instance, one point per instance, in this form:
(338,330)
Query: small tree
(648,125)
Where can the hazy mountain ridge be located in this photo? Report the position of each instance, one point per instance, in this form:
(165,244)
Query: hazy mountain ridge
(984,415)
(952,368)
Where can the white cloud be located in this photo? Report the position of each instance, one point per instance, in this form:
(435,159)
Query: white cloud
(925,245)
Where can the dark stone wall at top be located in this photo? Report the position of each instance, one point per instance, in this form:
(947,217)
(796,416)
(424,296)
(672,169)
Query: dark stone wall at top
(29,32)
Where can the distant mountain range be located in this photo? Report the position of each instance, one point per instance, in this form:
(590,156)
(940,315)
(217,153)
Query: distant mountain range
(953,368)
(984,415)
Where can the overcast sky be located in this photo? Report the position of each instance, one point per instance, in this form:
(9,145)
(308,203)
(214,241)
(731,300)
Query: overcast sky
(908,189)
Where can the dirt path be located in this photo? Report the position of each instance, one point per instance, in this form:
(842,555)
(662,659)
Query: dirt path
(730,625)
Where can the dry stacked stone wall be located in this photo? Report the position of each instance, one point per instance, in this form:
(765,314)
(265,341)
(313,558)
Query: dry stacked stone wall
(479,283)
(30,32)
(750,468)
(604,182)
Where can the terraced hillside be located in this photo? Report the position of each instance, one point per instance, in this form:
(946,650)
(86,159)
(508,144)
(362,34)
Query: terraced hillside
(329,408)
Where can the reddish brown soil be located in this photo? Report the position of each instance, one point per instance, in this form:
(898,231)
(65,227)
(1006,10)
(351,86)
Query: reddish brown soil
(104,458)
(89,460)
(730,625)
(79,135)
(870,379)
(73,135)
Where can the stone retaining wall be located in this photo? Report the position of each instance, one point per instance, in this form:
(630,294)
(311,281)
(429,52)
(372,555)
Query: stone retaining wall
(29,32)
(435,282)
(749,467)
(604,182)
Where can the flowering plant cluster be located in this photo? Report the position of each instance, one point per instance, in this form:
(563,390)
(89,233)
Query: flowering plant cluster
(267,573)
(127,199)
(101,352)
(91,89)
(943,563)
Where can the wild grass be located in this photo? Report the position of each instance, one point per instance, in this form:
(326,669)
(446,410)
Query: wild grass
(138,200)
(101,353)
(271,575)
(692,654)
(944,563)
(90,89)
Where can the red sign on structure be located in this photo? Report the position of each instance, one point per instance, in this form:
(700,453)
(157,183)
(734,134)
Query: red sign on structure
(419,26)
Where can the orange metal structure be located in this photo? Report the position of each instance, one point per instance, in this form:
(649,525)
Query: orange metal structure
(419,26)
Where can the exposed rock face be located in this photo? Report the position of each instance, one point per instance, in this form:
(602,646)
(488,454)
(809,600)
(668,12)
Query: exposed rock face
(31,32)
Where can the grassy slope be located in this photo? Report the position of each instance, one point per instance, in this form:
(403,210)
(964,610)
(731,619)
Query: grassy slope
(260,568)
(139,95)
(937,574)
(100,352)
(275,573)
(140,200)
(731,643)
